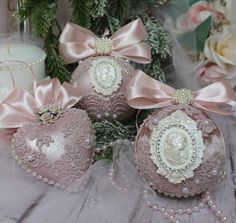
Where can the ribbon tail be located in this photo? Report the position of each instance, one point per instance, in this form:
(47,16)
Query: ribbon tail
(12,117)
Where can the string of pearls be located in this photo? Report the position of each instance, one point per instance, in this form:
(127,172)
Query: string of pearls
(112,173)
(21,67)
(120,187)
(170,213)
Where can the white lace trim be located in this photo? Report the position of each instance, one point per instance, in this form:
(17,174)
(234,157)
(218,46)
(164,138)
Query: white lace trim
(105,76)
(177,147)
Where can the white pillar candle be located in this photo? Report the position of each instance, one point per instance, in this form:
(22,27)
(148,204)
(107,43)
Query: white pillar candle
(29,54)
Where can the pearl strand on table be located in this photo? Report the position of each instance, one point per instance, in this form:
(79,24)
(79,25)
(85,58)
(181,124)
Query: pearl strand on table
(212,205)
(170,213)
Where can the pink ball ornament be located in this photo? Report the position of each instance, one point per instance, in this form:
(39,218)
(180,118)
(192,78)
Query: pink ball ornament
(104,72)
(180,151)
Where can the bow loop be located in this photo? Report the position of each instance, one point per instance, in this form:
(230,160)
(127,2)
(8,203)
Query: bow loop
(77,43)
(145,92)
(129,35)
(50,92)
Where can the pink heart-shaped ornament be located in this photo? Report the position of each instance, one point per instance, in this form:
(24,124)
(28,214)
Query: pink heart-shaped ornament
(56,153)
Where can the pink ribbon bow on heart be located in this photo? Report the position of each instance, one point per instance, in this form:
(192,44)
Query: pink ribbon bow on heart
(20,107)
(145,92)
(77,43)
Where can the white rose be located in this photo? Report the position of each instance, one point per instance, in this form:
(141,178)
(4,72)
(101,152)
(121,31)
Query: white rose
(220,48)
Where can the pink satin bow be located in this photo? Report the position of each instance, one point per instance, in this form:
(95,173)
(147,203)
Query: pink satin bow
(77,43)
(19,107)
(145,92)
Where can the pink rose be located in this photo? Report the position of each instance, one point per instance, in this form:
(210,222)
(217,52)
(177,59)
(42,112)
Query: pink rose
(46,117)
(210,73)
(196,14)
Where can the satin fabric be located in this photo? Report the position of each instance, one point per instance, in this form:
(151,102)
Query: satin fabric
(144,92)
(19,107)
(77,43)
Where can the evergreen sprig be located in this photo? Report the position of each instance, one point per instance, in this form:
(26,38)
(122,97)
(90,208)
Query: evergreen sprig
(81,12)
(99,8)
(98,15)
(107,132)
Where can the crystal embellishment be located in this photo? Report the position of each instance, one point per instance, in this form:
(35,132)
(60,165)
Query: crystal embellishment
(105,76)
(183,96)
(103,45)
(177,147)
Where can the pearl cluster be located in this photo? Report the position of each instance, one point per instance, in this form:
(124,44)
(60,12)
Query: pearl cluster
(170,213)
(21,67)
(103,45)
(183,97)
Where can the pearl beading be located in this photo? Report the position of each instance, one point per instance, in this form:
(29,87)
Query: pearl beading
(72,189)
(21,67)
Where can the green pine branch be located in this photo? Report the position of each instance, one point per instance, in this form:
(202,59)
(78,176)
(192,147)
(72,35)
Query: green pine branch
(81,12)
